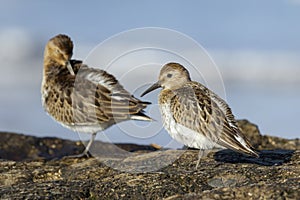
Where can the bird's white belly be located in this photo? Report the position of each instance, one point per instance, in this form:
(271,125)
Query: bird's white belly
(183,134)
(85,128)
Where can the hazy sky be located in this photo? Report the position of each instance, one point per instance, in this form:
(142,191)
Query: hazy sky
(266,24)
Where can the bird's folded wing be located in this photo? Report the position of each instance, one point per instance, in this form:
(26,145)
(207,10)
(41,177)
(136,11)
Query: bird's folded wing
(95,103)
(196,107)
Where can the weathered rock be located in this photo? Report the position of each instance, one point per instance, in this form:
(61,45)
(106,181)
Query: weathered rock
(34,168)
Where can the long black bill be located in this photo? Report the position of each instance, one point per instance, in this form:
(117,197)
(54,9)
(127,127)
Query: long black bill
(150,89)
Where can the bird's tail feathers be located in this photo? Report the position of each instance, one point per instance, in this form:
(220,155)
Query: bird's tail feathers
(141,117)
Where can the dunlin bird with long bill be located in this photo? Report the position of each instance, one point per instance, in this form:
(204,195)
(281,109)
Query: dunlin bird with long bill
(81,98)
(196,116)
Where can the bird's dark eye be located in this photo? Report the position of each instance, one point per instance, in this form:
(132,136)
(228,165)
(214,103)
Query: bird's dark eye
(169,75)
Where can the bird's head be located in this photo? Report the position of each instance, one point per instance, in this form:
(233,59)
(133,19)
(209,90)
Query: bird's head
(59,49)
(172,76)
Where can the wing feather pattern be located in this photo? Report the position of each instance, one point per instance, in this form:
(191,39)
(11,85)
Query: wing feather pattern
(197,108)
(96,96)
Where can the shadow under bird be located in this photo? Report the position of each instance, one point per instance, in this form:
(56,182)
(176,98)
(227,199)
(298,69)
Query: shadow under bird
(196,116)
(81,98)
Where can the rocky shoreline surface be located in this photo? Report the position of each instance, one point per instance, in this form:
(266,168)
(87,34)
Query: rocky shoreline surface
(39,168)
